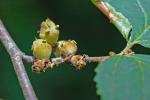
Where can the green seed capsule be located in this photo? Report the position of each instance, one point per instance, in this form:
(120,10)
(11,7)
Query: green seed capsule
(49,31)
(41,49)
(65,48)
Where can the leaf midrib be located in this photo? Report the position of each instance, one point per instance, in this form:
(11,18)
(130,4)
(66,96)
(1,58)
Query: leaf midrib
(114,74)
(141,77)
(135,57)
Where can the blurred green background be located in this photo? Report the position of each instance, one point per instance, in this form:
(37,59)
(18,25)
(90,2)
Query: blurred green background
(79,20)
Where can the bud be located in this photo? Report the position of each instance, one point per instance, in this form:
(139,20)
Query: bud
(49,31)
(111,53)
(41,65)
(78,61)
(41,49)
(65,48)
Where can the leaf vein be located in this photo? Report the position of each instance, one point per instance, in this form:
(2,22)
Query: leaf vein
(141,78)
(113,79)
(135,57)
(146,26)
(143,11)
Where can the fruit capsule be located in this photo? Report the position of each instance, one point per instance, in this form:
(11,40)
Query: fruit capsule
(65,48)
(49,31)
(41,49)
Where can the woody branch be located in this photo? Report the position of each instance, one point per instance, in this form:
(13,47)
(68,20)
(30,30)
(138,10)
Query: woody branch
(16,57)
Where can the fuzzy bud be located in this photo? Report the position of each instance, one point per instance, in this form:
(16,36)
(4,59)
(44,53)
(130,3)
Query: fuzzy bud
(78,61)
(41,65)
(65,48)
(41,49)
(49,31)
(111,53)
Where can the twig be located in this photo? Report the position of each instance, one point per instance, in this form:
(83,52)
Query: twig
(78,61)
(29,59)
(16,57)
(60,60)
(96,59)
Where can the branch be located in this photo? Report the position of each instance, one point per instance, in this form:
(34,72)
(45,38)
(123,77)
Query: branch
(96,59)
(78,61)
(16,56)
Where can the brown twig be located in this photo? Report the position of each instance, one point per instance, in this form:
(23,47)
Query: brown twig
(16,57)
(78,61)
(96,59)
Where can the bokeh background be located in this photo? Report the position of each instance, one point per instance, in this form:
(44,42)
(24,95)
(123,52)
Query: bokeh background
(79,20)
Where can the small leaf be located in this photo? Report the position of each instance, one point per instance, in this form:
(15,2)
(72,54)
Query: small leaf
(124,78)
(118,19)
(138,14)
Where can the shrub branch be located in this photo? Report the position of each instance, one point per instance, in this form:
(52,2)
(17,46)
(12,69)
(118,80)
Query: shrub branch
(16,56)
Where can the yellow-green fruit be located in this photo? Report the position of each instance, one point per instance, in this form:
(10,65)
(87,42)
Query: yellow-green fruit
(41,49)
(49,31)
(65,48)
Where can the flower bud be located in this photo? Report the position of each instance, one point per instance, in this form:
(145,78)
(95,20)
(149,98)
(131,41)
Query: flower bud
(41,49)
(65,48)
(111,53)
(41,65)
(78,62)
(49,31)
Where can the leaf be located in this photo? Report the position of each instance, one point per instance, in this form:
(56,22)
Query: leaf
(119,20)
(138,14)
(124,78)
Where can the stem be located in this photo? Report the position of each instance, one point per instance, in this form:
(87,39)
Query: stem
(96,59)
(126,49)
(16,57)
(57,61)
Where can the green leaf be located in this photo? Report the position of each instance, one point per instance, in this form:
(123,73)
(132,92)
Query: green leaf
(124,78)
(138,14)
(119,20)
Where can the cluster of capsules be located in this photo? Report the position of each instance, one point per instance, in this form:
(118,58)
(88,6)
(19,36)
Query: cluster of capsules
(47,44)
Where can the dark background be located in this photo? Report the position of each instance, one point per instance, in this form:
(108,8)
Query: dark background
(79,20)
